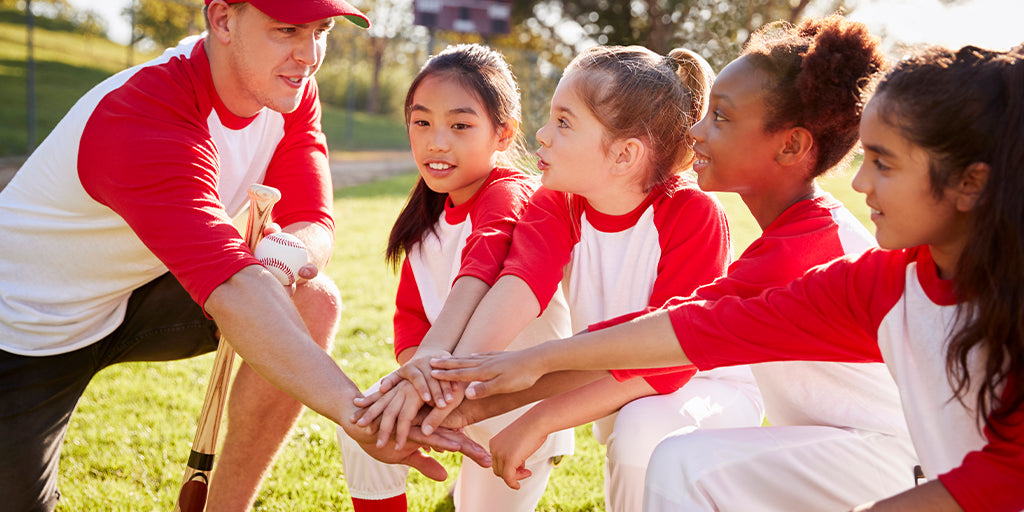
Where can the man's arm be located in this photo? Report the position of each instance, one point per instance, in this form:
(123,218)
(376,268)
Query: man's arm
(256,315)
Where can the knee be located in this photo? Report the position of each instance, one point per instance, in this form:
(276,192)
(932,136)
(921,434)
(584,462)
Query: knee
(675,457)
(319,302)
(637,430)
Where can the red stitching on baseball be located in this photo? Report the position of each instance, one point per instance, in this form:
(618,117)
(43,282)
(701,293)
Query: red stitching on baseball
(278,264)
(287,242)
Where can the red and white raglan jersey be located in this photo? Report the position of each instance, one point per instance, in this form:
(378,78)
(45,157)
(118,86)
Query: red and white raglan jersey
(144,174)
(886,306)
(675,241)
(849,395)
(471,239)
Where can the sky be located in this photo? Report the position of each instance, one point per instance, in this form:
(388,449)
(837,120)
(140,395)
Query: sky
(994,24)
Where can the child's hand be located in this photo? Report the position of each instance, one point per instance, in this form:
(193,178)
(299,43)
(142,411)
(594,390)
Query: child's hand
(417,371)
(511,447)
(491,373)
(437,415)
(395,409)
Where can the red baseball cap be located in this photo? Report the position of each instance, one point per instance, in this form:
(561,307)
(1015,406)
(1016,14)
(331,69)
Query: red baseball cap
(305,11)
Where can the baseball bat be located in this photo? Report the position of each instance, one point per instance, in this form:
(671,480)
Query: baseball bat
(192,496)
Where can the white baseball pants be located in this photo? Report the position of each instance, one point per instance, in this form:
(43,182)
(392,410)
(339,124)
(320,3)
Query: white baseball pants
(777,469)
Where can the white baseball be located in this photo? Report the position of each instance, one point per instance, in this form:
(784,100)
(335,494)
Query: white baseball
(283,254)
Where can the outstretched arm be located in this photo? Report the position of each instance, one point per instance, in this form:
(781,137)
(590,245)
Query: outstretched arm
(441,339)
(503,313)
(645,342)
(472,411)
(255,313)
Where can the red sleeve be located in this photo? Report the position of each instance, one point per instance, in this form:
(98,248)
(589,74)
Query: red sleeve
(992,479)
(494,214)
(300,168)
(146,154)
(695,245)
(410,321)
(696,249)
(832,313)
(783,253)
(543,241)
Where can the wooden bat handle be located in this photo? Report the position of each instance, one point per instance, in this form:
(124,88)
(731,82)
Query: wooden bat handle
(192,497)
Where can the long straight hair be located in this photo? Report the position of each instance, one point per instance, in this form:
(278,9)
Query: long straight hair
(967,107)
(485,72)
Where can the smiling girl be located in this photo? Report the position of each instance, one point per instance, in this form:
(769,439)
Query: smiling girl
(462,113)
(940,303)
(618,224)
(782,114)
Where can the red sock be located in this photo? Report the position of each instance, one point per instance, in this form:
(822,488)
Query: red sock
(395,504)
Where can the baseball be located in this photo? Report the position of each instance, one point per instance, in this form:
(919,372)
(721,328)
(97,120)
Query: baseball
(283,254)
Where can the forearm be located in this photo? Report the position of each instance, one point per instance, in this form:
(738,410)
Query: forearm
(645,342)
(592,401)
(259,320)
(502,314)
(588,403)
(547,386)
(931,496)
(447,329)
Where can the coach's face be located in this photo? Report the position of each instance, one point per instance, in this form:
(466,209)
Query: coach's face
(270,62)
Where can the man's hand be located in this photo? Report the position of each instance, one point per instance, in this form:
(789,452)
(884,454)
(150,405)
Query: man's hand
(491,373)
(411,455)
(307,271)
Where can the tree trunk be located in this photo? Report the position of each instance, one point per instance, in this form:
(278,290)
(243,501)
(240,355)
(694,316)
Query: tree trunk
(378,45)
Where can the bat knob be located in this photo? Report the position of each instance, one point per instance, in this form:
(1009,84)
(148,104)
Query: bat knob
(192,497)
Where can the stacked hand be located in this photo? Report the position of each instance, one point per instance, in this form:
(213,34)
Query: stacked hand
(409,397)
(491,373)
(413,453)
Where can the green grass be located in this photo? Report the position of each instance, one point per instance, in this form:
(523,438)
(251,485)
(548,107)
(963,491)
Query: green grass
(69,64)
(127,442)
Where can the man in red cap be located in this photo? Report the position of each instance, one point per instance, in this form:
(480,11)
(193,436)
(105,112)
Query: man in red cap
(118,245)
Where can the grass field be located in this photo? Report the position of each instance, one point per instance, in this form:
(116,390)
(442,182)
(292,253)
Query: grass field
(127,442)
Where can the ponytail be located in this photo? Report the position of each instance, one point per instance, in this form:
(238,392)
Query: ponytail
(696,76)
(416,220)
(635,93)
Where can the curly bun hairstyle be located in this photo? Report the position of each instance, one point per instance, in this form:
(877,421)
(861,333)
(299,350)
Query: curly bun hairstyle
(635,92)
(819,72)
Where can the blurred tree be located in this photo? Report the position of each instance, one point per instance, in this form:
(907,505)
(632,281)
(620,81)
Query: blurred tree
(716,29)
(61,15)
(164,22)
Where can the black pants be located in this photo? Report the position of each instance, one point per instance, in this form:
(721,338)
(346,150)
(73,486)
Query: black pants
(38,394)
